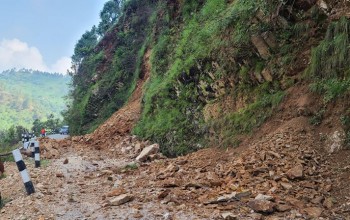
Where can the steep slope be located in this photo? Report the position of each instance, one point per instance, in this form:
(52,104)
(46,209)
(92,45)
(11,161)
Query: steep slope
(219,68)
(285,164)
(219,72)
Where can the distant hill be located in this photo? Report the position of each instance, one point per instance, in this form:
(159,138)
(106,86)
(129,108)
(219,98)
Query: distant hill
(26,95)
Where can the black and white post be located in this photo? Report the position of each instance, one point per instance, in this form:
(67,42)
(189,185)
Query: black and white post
(32,149)
(23,171)
(37,154)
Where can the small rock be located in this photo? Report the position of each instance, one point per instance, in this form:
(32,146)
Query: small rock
(138,147)
(138,215)
(245,193)
(116,192)
(264,197)
(59,175)
(164,194)
(119,200)
(313,212)
(172,182)
(171,168)
(262,206)
(328,203)
(296,172)
(283,208)
(229,216)
(328,188)
(65,161)
(286,185)
(317,200)
(256,216)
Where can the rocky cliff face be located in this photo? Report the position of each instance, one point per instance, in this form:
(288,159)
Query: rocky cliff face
(218,69)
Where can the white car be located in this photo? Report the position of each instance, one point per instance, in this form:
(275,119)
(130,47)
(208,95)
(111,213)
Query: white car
(64,129)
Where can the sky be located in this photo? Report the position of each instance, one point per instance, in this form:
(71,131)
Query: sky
(41,34)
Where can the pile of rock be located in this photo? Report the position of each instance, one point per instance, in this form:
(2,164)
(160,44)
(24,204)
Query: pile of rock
(282,175)
(50,148)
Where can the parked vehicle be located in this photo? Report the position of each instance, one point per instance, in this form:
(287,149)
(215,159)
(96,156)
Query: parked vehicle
(64,129)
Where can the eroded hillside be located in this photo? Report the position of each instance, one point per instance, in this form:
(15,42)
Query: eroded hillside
(218,68)
(262,84)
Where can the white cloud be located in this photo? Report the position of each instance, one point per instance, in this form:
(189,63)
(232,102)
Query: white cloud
(17,54)
(61,65)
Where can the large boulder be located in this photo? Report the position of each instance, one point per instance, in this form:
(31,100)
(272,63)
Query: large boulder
(261,45)
(147,151)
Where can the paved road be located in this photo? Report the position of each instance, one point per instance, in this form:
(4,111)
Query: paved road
(57,136)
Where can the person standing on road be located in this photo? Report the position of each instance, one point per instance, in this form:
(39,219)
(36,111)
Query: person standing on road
(43,132)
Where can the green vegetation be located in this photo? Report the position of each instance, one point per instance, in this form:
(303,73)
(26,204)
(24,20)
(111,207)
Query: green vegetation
(3,201)
(9,140)
(51,125)
(202,52)
(45,163)
(245,120)
(329,71)
(331,57)
(105,76)
(3,176)
(131,166)
(212,32)
(27,95)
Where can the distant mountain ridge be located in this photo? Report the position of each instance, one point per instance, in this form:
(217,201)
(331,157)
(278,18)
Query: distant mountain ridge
(26,95)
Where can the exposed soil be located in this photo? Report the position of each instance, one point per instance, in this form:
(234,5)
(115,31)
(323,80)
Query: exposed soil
(285,161)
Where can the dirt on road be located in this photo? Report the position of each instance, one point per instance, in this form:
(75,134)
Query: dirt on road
(284,171)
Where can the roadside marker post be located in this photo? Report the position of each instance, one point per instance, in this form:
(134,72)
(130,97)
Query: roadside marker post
(32,148)
(23,171)
(37,154)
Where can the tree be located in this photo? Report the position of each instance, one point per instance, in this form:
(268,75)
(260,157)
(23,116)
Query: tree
(109,15)
(84,47)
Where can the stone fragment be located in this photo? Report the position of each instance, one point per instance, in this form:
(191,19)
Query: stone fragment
(255,216)
(65,161)
(116,192)
(138,147)
(296,172)
(243,194)
(263,206)
(313,212)
(277,155)
(171,168)
(164,194)
(172,182)
(261,46)
(328,203)
(286,186)
(266,73)
(121,199)
(59,175)
(335,141)
(230,197)
(264,197)
(317,200)
(283,207)
(229,216)
(295,202)
(147,151)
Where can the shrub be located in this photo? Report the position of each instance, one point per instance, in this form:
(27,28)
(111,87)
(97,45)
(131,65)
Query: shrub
(331,57)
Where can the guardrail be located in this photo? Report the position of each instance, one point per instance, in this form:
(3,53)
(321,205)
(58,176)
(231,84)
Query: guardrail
(29,142)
